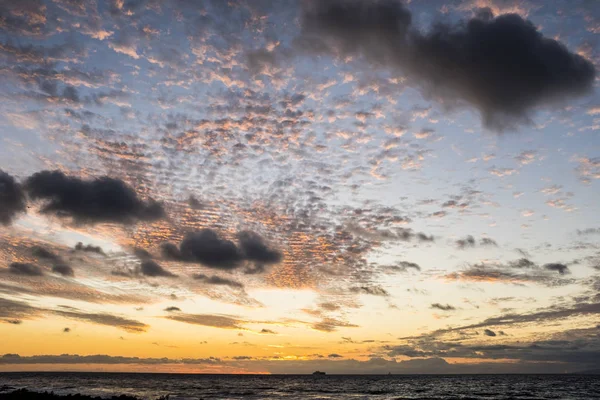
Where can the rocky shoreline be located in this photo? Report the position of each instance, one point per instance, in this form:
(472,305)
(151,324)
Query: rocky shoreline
(20,394)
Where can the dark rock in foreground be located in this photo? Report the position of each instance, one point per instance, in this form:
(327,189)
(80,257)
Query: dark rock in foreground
(29,395)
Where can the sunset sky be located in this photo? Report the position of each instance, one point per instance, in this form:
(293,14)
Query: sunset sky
(257,186)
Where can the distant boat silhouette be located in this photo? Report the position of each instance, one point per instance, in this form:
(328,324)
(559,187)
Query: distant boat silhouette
(319,373)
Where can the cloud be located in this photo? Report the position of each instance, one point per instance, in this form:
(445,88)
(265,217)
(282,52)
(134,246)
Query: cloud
(12,199)
(331,325)
(401,266)
(488,242)
(126,324)
(98,359)
(217,280)
(522,263)
(539,316)
(488,332)
(588,231)
(172,308)
(63,269)
(151,268)
(102,199)
(560,268)
(255,249)
(142,254)
(41,252)
(372,290)
(13,311)
(469,242)
(215,321)
(443,307)
(18,268)
(268,331)
(89,248)
(208,248)
(503,65)
(516,272)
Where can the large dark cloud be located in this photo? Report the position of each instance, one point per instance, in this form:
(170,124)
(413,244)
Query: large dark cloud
(89,248)
(255,249)
(560,268)
(208,248)
(102,199)
(27,269)
(12,198)
(43,253)
(152,268)
(503,65)
(63,269)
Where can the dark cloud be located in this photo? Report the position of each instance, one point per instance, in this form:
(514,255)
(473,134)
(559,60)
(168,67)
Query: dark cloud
(89,248)
(577,346)
(217,280)
(503,65)
(126,324)
(588,231)
(208,248)
(142,254)
(516,272)
(372,290)
(63,269)
(102,199)
(522,263)
(172,308)
(402,266)
(195,203)
(488,242)
(334,355)
(255,249)
(12,198)
(205,247)
(66,330)
(151,268)
(446,307)
(469,241)
(98,359)
(18,268)
(12,311)
(560,268)
(543,315)
(41,252)
(331,325)
(268,331)
(215,321)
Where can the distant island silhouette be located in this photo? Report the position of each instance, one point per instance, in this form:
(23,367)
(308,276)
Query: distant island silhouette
(319,373)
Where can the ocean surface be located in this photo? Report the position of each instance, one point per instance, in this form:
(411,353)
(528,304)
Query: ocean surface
(151,386)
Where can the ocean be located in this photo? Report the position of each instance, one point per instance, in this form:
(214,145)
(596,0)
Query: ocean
(179,386)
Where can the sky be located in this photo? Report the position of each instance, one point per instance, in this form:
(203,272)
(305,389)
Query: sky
(255,186)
